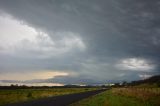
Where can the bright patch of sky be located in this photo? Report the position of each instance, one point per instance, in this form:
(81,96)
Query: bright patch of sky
(32,84)
(16,37)
(135,64)
(31,75)
(144,76)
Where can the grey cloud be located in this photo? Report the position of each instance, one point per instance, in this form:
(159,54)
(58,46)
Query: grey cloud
(111,30)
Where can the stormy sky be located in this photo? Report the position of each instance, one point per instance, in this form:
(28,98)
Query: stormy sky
(79,41)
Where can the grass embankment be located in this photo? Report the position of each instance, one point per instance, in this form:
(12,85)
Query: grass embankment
(20,95)
(124,97)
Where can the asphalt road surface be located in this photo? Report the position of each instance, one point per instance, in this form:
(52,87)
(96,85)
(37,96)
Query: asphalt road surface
(63,100)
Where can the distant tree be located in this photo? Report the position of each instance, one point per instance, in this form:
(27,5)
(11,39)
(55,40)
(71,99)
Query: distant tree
(116,84)
(12,85)
(124,83)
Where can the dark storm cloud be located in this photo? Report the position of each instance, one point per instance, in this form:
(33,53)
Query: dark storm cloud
(112,30)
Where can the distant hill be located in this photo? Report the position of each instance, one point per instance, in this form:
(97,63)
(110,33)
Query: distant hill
(152,80)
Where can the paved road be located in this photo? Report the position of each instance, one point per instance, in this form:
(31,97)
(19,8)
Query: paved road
(59,100)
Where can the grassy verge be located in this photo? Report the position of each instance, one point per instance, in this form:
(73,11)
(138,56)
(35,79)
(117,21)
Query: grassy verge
(19,95)
(124,97)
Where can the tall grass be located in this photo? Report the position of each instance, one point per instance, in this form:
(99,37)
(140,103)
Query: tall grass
(151,95)
(124,97)
(20,95)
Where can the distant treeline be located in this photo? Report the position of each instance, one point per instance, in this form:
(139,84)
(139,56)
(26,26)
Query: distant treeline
(16,86)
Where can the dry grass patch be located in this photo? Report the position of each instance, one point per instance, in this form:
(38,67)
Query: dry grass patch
(150,95)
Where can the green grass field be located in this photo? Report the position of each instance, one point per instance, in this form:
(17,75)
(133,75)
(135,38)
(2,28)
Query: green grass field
(19,95)
(124,97)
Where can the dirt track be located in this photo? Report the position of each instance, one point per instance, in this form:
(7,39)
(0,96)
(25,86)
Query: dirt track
(63,100)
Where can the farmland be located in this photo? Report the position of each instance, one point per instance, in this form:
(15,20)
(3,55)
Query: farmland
(20,95)
(124,97)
